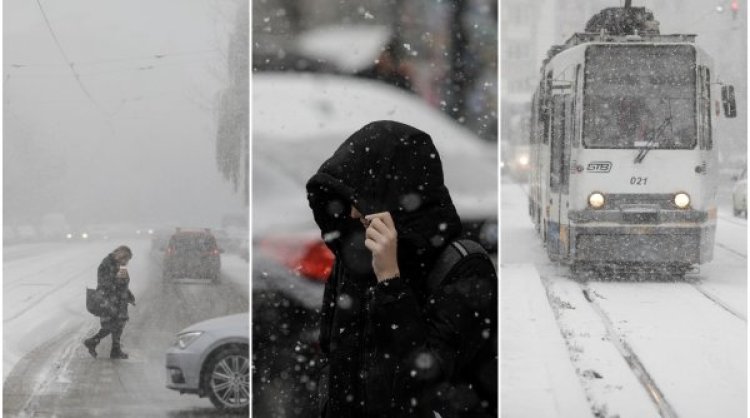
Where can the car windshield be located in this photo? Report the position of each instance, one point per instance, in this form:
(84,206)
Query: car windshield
(193,243)
(639,96)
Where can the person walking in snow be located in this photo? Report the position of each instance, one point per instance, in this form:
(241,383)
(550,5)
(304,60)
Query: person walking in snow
(392,346)
(113,283)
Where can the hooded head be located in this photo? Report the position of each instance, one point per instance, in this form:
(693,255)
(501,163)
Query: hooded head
(386,166)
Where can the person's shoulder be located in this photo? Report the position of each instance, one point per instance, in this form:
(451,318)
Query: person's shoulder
(107,261)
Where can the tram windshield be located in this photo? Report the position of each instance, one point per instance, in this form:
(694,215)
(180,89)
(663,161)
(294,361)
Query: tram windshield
(639,96)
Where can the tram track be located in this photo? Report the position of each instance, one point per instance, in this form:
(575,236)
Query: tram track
(732,221)
(626,351)
(628,354)
(716,300)
(731,251)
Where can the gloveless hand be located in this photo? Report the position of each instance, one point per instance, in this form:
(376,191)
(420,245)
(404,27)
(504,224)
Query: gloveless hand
(381,239)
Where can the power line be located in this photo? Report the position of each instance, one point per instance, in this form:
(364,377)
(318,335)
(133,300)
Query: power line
(158,56)
(69,62)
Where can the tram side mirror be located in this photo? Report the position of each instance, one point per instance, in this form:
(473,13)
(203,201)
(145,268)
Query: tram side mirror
(727,101)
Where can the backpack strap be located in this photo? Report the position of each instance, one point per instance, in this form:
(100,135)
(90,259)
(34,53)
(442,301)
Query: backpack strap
(453,254)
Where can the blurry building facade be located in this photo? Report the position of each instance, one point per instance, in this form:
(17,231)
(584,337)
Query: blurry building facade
(447,49)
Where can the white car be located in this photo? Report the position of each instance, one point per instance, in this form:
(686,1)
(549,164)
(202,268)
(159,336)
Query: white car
(212,358)
(739,195)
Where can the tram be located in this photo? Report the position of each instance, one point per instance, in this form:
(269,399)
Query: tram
(624,164)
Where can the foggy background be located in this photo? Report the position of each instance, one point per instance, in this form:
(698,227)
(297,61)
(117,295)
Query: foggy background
(446,49)
(530,28)
(124,128)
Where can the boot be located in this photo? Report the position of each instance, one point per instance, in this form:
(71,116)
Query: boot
(90,344)
(117,353)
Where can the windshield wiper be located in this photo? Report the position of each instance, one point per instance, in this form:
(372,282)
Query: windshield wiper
(657,133)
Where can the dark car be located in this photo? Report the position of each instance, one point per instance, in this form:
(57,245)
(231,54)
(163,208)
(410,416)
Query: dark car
(192,254)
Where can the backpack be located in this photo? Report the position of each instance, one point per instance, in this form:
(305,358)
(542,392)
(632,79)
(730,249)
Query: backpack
(453,254)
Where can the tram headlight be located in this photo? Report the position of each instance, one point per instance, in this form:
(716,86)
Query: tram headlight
(596,200)
(523,160)
(682,200)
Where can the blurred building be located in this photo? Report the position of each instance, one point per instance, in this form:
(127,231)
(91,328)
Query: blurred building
(527,33)
(446,49)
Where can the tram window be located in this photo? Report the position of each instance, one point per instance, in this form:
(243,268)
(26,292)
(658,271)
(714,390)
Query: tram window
(546,104)
(568,136)
(576,103)
(639,96)
(558,135)
(705,108)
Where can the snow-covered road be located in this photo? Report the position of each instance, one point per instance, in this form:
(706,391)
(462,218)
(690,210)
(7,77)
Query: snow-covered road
(635,349)
(46,370)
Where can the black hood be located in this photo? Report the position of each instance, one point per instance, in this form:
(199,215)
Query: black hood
(386,166)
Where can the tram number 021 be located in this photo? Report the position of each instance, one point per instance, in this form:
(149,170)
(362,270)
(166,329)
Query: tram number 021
(638,181)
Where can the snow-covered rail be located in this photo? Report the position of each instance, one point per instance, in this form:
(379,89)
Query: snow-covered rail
(730,250)
(715,299)
(640,372)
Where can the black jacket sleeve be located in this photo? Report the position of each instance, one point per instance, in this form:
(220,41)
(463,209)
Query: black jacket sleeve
(436,341)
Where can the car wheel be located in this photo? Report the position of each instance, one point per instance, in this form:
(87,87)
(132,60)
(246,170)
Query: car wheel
(227,379)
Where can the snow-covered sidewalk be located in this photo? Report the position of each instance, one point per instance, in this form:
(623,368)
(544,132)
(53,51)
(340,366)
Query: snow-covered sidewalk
(538,379)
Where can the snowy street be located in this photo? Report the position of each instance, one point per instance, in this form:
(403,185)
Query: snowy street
(46,369)
(603,347)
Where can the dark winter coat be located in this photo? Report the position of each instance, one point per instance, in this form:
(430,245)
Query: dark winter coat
(393,348)
(115,291)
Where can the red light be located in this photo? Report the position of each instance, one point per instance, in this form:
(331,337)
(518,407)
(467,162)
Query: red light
(311,258)
(317,262)
(170,251)
(735,5)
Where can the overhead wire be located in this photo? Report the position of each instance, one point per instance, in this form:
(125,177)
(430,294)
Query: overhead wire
(71,64)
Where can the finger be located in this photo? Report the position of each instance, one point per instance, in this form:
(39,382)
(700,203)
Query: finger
(383,216)
(384,229)
(372,245)
(375,235)
(381,227)
(388,219)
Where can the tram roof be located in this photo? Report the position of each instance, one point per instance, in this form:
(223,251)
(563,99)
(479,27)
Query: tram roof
(581,38)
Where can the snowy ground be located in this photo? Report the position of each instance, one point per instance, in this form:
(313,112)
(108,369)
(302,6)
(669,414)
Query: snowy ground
(45,368)
(621,348)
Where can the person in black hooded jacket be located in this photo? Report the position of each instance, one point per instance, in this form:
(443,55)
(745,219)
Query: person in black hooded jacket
(391,347)
(113,282)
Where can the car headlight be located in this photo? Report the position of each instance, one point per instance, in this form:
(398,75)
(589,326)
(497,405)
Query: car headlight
(523,160)
(682,200)
(186,338)
(596,200)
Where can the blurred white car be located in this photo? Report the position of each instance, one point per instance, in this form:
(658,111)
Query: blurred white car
(212,358)
(300,119)
(739,195)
